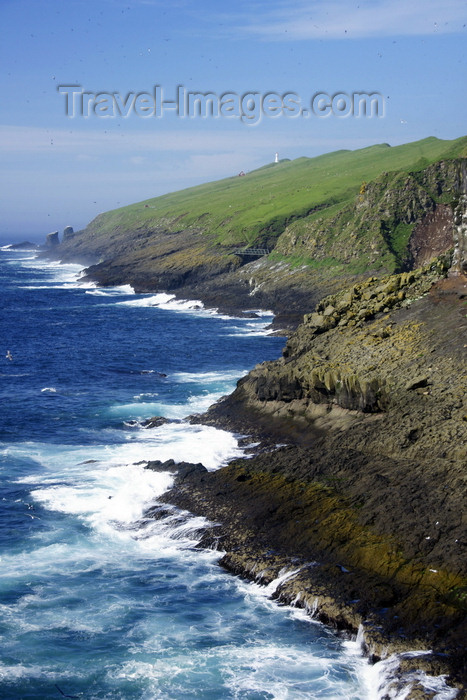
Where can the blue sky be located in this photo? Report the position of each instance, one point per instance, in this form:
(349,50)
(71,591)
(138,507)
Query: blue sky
(56,170)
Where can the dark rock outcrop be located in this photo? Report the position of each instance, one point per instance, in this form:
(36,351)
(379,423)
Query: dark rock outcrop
(24,245)
(155,422)
(366,499)
(68,234)
(183,469)
(396,222)
(52,240)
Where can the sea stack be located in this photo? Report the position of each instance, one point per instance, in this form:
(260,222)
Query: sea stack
(67,233)
(52,240)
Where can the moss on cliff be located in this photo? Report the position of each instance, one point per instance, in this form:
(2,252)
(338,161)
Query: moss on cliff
(367,503)
(322,195)
(372,231)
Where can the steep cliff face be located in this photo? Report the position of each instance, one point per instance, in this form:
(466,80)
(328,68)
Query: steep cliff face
(328,221)
(391,347)
(379,228)
(459,263)
(368,495)
(344,377)
(52,240)
(367,498)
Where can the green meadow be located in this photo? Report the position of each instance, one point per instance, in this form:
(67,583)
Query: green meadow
(256,208)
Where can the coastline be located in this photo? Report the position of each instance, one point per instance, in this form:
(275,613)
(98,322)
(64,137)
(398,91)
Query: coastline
(314,426)
(374,528)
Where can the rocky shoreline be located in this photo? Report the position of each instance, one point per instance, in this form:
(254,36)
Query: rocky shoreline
(365,499)
(366,496)
(356,476)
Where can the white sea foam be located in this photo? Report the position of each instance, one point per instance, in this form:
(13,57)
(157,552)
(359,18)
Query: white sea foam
(178,441)
(53,274)
(115,490)
(169,302)
(252,329)
(207,377)
(254,592)
(141,410)
(61,272)
(19,671)
(190,443)
(385,681)
(67,276)
(108,489)
(153,300)
(109,495)
(76,284)
(9,249)
(124,289)
(247,670)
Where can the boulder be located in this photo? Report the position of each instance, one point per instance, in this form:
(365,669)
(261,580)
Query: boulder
(182,469)
(155,422)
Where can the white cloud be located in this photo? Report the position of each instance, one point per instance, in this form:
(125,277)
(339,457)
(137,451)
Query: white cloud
(337,19)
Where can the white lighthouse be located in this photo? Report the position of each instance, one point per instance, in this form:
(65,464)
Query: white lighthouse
(276,159)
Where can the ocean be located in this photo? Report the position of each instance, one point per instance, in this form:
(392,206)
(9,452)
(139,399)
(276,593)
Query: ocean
(98,600)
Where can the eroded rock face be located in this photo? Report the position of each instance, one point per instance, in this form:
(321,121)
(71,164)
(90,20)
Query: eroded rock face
(52,240)
(432,236)
(364,503)
(307,374)
(397,222)
(68,233)
(459,260)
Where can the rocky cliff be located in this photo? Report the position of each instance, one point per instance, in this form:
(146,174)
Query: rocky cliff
(328,221)
(365,499)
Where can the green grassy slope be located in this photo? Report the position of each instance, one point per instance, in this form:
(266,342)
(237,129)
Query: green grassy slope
(256,208)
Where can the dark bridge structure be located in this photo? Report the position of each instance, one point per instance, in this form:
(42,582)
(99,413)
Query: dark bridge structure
(253,252)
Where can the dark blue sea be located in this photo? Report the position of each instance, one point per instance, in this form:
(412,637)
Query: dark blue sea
(96,600)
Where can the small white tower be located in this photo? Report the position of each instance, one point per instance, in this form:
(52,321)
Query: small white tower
(276,159)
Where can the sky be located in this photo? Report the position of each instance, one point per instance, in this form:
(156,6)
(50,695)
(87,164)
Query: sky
(65,158)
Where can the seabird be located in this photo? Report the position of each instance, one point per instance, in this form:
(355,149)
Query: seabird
(8,355)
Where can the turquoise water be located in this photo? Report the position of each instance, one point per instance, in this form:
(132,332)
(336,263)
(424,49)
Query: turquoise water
(96,599)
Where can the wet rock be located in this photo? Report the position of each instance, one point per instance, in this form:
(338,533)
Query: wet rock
(155,422)
(371,484)
(187,470)
(182,469)
(156,465)
(24,245)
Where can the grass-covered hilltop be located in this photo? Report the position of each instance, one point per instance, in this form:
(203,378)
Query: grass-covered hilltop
(326,220)
(366,497)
